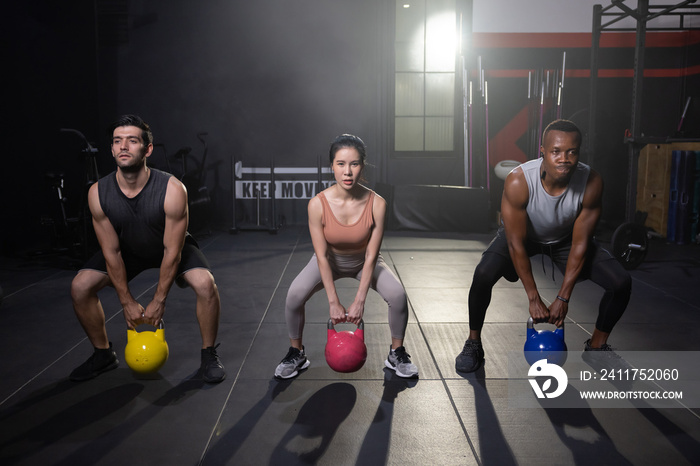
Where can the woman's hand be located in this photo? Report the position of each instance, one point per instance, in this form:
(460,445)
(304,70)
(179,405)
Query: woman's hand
(338,313)
(355,312)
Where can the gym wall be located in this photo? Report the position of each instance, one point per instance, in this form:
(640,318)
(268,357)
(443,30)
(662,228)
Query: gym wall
(279,80)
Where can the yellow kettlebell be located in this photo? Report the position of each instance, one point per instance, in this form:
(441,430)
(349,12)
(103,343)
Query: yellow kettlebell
(146,351)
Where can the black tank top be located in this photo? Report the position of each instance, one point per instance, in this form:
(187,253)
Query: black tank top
(139,221)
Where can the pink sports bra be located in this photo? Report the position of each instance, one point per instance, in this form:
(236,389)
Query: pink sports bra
(347,237)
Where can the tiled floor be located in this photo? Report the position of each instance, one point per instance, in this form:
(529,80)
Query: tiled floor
(321,417)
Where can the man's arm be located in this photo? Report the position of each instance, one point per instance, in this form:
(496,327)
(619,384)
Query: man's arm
(513,211)
(584,228)
(109,243)
(176,218)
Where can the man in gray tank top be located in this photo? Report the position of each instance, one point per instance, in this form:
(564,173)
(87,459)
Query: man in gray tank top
(140,219)
(550,206)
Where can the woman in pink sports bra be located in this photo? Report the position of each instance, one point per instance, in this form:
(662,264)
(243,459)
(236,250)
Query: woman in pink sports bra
(346,223)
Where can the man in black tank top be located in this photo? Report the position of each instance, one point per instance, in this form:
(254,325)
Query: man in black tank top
(140,219)
(533,195)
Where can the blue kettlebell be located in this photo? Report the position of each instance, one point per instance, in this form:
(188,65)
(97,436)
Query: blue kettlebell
(541,344)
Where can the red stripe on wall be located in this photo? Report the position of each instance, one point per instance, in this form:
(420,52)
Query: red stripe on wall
(494,40)
(603,73)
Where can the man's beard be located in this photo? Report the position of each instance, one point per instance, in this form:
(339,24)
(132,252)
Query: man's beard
(133,167)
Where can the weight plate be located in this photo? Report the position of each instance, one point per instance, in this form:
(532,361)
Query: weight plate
(629,245)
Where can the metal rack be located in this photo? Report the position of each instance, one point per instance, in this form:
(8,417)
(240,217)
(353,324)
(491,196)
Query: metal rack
(270,225)
(644,13)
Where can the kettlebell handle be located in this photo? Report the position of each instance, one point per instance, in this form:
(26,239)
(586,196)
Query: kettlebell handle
(360,326)
(160,325)
(531,324)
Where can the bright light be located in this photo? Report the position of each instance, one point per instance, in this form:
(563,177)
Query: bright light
(406,5)
(441,41)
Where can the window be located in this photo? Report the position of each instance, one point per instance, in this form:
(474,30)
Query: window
(424,83)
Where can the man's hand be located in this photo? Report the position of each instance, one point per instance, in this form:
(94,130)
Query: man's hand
(154,313)
(133,314)
(538,311)
(557,312)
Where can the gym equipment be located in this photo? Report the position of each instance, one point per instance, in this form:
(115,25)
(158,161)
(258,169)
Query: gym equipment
(272,227)
(486,130)
(152,160)
(90,157)
(466,96)
(471,126)
(462,209)
(475,128)
(680,205)
(346,350)
(73,235)
(630,244)
(193,177)
(540,344)
(146,351)
(545,96)
(685,110)
(504,167)
(540,125)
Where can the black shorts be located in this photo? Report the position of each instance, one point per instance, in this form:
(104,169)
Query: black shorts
(191,258)
(557,252)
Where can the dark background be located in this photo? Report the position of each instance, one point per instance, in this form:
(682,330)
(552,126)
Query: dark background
(266,79)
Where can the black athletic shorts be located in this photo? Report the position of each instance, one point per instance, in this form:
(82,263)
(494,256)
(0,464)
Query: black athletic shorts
(557,252)
(191,258)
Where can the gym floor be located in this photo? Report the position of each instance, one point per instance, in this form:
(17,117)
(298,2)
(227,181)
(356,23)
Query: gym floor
(321,417)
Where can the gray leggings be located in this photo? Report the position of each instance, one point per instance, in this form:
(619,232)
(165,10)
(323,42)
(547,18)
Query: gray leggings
(308,282)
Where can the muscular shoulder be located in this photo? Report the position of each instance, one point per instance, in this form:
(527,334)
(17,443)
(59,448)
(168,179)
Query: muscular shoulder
(176,188)
(94,189)
(94,200)
(175,197)
(515,188)
(594,189)
(594,179)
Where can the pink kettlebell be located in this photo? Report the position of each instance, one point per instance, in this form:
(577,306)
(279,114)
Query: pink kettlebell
(346,350)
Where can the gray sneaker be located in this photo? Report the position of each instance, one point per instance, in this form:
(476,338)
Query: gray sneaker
(399,361)
(471,358)
(293,362)
(603,358)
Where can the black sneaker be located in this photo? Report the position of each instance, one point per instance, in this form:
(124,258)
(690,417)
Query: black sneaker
(102,360)
(471,358)
(293,362)
(399,361)
(212,370)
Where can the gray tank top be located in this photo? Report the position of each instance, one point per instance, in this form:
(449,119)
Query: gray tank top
(138,221)
(551,218)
